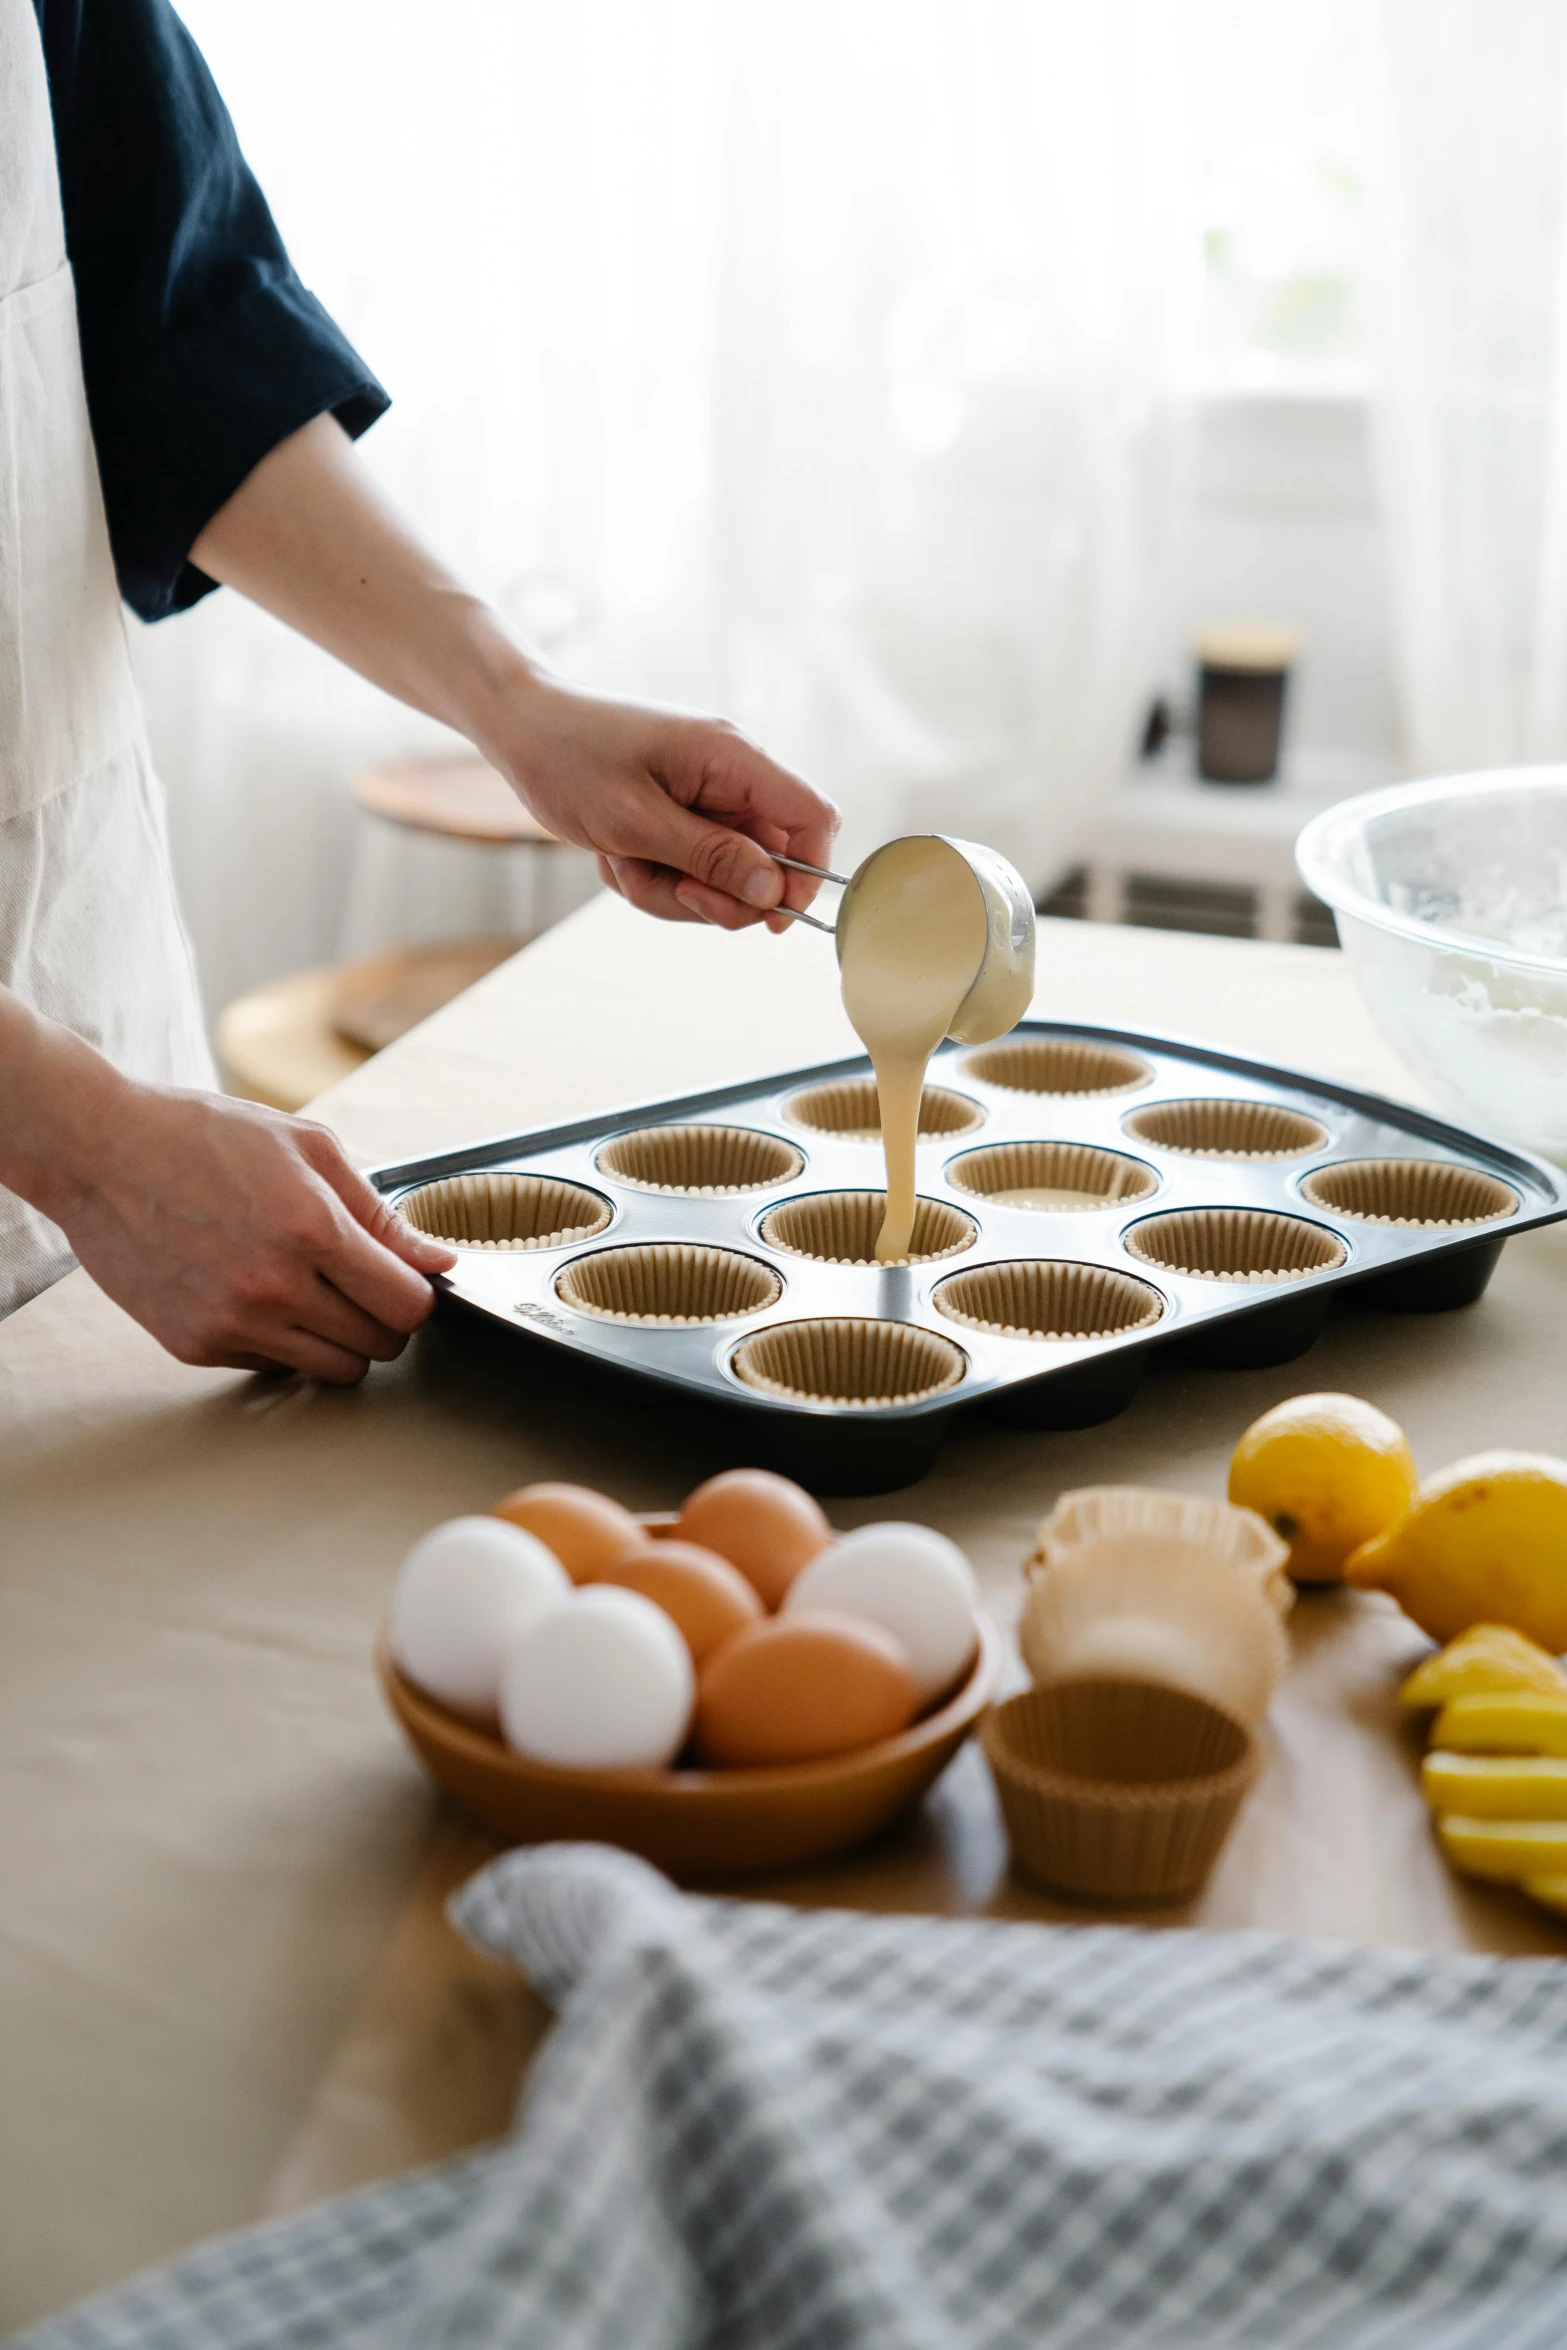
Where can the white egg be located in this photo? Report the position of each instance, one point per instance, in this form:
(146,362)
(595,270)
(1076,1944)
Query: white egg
(909,1579)
(463,1591)
(605,1683)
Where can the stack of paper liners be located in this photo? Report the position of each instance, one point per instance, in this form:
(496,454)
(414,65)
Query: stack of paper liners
(1117,1790)
(860,1365)
(1153,1632)
(506,1211)
(669,1283)
(1166,1587)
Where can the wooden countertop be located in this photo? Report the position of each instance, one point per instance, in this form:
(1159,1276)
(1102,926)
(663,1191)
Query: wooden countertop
(221,1966)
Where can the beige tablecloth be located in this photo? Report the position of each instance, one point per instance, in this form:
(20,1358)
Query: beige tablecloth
(208,1830)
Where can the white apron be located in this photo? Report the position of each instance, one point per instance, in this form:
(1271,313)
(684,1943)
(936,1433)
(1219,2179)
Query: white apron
(89,930)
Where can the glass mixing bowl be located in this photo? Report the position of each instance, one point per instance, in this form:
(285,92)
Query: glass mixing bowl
(1451,902)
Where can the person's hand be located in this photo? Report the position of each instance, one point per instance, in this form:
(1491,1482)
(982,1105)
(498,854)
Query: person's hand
(683,812)
(238,1236)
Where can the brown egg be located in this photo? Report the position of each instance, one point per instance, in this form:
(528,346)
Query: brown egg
(587,1531)
(766,1526)
(795,1689)
(708,1598)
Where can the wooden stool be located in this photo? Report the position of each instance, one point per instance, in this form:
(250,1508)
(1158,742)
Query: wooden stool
(287,1041)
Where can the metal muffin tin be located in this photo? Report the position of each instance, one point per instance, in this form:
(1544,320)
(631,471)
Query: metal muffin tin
(1046,1382)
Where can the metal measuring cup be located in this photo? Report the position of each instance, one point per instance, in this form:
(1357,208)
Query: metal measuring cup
(1003,981)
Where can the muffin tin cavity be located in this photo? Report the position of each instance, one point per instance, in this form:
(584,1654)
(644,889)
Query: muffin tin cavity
(854,1365)
(840,1228)
(1059,1065)
(1428,1192)
(1236,1244)
(711,1162)
(851,1112)
(506,1211)
(1227,1130)
(670,1286)
(1040,1298)
(1069,1175)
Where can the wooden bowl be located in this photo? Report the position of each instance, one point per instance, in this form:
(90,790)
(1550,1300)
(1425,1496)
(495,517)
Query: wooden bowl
(693,1823)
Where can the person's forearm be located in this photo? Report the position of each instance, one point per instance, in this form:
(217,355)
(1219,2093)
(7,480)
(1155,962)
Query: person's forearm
(309,537)
(684,815)
(56,1097)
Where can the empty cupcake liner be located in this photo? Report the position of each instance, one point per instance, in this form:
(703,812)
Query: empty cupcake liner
(1085,1177)
(1154,1608)
(1056,1065)
(840,1228)
(1429,1192)
(1117,1790)
(860,1365)
(668,1284)
(506,1211)
(710,1161)
(1227,1130)
(1092,1514)
(1038,1297)
(1235,1244)
(851,1112)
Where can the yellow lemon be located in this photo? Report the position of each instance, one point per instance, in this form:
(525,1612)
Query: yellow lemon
(1507,1721)
(1486,1542)
(1486,1661)
(1549,1892)
(1327,1472)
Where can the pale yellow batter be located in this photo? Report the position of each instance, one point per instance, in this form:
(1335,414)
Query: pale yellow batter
(912,936)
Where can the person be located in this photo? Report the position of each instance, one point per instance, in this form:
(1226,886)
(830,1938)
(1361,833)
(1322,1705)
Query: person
(178,412)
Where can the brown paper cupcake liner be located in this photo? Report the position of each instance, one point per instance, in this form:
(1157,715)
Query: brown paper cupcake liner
(1037,1297)
(1235,1244)
(1429,1192)
(506,1211)
(1089,1178)
(668,1283)
(851,1112)
(708,1160)
(840,1228)
(1227,1130)
(1117,1791)
(1042,1064)
(862,1365)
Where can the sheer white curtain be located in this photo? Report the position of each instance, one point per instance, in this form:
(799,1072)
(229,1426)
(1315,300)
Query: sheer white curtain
(1472,368)
(821,363)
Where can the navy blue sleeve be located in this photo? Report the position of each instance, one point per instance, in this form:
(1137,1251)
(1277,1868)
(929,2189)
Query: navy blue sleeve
(201,350)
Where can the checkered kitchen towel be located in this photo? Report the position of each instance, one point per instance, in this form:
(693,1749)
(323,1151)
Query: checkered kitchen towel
(763,2129)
